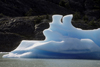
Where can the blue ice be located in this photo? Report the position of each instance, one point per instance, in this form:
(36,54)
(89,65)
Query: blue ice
(62,40)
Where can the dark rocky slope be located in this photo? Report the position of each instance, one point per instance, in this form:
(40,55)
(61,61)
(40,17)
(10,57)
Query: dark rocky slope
(21,20)
(13,8)
(30,7)
(14,30)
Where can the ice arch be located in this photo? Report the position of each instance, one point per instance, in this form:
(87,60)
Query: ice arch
(62,40)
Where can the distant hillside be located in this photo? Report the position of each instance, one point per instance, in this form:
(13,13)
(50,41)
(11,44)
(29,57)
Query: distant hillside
(30,7)
(14,30)
(91,8)
(26,19)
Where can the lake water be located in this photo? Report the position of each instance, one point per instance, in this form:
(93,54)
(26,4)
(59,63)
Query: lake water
(8,62)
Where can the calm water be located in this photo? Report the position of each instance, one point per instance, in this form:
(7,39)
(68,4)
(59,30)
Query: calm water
(8,62)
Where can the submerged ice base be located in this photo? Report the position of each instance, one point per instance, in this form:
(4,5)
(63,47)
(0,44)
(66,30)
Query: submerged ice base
(62,40)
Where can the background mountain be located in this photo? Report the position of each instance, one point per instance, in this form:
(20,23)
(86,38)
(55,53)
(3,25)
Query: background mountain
(26,19)
(31,7)
(14,8)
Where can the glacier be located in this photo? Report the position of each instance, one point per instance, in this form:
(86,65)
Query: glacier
(62,41)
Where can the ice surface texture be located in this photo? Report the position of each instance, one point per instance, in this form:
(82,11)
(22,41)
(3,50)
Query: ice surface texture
(62,40)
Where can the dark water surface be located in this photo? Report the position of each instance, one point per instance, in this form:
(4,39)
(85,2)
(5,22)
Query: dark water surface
(8,62)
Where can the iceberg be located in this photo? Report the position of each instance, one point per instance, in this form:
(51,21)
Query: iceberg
(62,41)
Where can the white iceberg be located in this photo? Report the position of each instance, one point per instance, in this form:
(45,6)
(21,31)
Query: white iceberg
(62,40)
